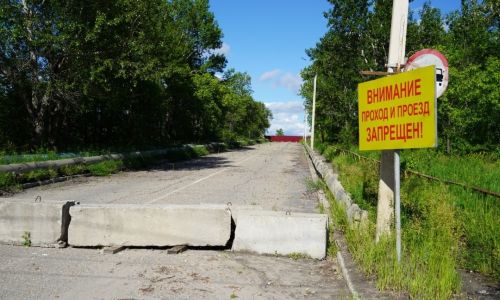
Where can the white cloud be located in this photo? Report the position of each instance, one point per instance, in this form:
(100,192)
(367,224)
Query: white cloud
(286,80)
(224,50)
(290,106)
(287,116)
(269,75)
(291,82)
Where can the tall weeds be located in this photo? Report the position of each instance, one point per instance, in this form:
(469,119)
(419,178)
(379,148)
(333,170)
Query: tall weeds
(444,227)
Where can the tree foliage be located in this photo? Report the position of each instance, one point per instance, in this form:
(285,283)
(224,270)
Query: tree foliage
(118,73)
(358,39)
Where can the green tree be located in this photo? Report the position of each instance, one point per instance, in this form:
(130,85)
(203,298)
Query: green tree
(337,59)
(243,116)
(280,132)
(120,73)
(468,111)
(358,39)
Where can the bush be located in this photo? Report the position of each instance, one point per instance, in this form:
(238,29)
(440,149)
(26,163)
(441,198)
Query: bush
(105,168)
(36,175)
(71,170)
(7,180)
(200,150)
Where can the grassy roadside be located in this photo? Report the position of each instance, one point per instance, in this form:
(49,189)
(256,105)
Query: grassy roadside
(443,227)
(43,155)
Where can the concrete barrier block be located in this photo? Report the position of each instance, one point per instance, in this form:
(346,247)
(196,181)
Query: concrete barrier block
(234,209)
(345,199)
(332,184)
(357,217)
(271,232)
(25,221)
(140,225)
(353,213)
(330,176)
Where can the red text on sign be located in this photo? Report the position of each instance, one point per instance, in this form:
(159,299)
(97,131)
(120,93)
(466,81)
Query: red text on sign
(394,91)
(406,131)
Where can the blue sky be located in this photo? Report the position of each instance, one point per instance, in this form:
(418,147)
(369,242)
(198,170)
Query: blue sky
(268,38)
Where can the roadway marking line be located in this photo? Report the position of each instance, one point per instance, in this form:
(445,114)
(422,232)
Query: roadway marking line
(196,181)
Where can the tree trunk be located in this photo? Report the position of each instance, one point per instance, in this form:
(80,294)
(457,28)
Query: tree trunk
(36,104)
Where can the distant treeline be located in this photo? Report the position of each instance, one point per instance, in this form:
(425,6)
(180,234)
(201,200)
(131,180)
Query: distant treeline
(358,39)
(124,73)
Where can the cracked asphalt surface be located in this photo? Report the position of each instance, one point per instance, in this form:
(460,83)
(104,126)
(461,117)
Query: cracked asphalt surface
(271,175)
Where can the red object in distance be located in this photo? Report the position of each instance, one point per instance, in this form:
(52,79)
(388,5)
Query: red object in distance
(285,138)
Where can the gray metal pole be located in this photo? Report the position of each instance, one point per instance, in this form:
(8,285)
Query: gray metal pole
(313,112)
(397,204)
(305,127)
(397,47)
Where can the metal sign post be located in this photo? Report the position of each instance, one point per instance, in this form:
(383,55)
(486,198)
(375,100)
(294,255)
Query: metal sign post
(313,112)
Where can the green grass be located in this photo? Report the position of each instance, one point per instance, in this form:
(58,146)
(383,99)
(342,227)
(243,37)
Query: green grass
(7,181)
(298,255)
(481,170)
(105,168)
(313,186)
(428,268)
(332,248)
(26,239)
(40,174)
(42,155)
(71,170)
(321,208)
(443,227)
(200,151)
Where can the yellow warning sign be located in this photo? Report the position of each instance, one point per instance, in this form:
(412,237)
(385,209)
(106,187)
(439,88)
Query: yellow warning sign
(398,111)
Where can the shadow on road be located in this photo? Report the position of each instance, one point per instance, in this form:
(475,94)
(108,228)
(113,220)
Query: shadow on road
(205,162)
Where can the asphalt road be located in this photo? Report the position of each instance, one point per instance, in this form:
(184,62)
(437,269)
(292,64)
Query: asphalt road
(271,175)
(38,273)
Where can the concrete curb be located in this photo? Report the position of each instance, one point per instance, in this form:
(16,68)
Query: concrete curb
(345,273)
(356,217)
(359,286)
(33,184)
(320,193)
